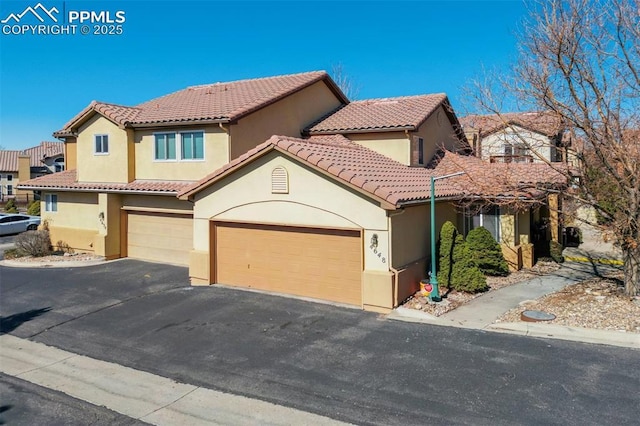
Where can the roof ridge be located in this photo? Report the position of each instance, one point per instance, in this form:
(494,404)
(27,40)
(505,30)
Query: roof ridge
(94,103)
(396,98)
(198,86)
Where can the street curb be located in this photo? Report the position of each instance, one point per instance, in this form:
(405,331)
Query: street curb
(576,334)
(548,331)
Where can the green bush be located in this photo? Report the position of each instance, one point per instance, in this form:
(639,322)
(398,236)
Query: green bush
(34,208)
(555,251)
(448,234)
(465,275)
(485,252)
(34,243)
(10,207)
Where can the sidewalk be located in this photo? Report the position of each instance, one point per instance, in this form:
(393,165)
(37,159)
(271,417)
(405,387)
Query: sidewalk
(137,394)
(481,312)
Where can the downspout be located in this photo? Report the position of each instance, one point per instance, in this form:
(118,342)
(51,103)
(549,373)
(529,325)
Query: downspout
(391,268)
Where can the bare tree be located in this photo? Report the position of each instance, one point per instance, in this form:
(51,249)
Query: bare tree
(580,61)
(344,81)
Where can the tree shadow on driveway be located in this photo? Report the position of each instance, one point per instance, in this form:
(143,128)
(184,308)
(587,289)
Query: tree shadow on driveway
(10,323)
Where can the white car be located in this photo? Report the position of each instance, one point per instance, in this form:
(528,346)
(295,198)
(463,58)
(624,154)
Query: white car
(16,223)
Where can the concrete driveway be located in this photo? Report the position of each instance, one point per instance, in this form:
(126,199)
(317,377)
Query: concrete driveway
(341,363)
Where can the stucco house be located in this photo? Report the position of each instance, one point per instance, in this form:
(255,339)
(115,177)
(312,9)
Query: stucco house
(334,207)
(125,165)
(21,165)
(522,137)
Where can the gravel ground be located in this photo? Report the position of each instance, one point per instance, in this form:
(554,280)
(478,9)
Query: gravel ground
(452,299)
(596,303)
(57,258)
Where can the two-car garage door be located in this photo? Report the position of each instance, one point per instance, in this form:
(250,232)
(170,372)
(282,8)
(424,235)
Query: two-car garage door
(317,263)
(159,237)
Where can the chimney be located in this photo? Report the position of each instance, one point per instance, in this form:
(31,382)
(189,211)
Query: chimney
(24,168)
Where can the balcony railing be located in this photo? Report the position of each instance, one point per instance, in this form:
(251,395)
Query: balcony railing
(511,159)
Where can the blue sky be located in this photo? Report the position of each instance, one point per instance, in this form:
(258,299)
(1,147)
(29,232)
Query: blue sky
(386,48)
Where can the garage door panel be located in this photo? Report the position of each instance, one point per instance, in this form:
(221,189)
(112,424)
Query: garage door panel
(159,237)
(323,264)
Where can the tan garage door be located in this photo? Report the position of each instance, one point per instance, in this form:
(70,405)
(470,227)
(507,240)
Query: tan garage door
(159,237)
(317,263)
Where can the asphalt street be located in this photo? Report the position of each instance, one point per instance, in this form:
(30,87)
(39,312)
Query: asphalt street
(24,403)
(342,363)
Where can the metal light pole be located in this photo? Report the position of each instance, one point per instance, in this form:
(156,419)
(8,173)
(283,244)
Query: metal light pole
(433,280)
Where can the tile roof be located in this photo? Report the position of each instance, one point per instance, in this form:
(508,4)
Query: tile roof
(541,122)
(386,114)
(500,180)
(67,181)
(218,102)
(395,183)
(9,158)
(367,171)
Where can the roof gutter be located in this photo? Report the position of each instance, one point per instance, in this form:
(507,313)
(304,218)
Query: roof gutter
(108,191)
(348,131)
(176,123)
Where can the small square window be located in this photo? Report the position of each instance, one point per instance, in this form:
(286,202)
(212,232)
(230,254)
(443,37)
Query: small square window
(101,144)
(9,177)
(51,203)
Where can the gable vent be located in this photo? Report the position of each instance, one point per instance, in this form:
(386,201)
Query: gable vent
(279,181)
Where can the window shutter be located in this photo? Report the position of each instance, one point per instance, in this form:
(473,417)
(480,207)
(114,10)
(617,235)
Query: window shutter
(279,181)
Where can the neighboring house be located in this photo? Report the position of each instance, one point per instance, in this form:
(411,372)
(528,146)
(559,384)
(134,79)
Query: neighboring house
(518,137)
(125,165)
(340,215)
(22,165)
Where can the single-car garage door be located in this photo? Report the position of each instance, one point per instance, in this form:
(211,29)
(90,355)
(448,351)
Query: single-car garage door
(159,237)
(318,263)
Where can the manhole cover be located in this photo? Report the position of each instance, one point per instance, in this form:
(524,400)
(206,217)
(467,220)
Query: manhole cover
(535,316)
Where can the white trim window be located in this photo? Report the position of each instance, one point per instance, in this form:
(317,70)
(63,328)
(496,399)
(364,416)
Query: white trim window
(192,145)
(51,202)
(9,177)
(101,144)
(165,147)
(9,189)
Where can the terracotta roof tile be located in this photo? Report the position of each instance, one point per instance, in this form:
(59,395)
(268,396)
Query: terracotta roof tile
(373,173)
(67,181)
(386,114)
(9,158)
(541,122)
(222,102)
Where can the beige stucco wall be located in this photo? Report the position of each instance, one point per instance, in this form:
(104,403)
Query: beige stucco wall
(437,132)
(394,145)
(216,154)
(111,167)
(313,201)
(70,153)
(539,146)
(286,117)
(411,243)
(76,222)
(159,203)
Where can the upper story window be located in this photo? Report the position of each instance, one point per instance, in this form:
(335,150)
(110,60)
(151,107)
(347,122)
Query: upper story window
(101,144)
(165,146)
(51,203)
(192,145)
(9,177)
